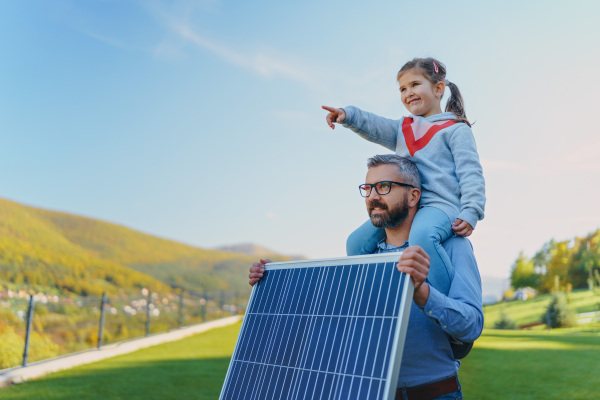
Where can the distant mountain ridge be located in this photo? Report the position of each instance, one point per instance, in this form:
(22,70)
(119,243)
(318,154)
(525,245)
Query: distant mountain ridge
(255,250)
(42,248)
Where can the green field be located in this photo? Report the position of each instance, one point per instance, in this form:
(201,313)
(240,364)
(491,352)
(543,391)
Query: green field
(193,368)
(525,364)
(530,311)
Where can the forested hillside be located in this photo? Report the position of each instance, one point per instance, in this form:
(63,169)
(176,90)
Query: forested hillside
(47,249)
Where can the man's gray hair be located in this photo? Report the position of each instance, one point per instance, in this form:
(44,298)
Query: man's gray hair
(406,168)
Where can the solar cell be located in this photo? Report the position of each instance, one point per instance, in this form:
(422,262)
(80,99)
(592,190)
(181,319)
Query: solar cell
(323,329)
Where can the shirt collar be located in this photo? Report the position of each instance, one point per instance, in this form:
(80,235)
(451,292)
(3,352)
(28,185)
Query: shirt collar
(383,247)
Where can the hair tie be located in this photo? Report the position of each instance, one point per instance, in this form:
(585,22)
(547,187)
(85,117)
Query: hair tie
(435,67)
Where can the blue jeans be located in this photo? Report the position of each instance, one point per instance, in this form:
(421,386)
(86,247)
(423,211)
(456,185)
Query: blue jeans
(430,228)
(364,239)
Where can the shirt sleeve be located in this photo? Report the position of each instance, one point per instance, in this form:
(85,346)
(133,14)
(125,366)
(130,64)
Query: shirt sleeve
(460,314)
(469,173)
(371,127)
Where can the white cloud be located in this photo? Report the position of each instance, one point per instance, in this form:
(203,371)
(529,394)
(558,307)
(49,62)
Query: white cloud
(269,63)
(105,39)
(260,63)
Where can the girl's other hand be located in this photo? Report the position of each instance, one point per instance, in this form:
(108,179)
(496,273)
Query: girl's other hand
(335,115)
(462,228)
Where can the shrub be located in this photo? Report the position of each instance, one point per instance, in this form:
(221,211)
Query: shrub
(505,322)
(41,347)
(559,314)
(11,347)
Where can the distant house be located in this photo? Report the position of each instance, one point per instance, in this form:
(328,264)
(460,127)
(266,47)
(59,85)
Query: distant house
(524,293)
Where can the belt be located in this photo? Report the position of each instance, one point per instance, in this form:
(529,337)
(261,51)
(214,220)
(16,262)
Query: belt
(429,391)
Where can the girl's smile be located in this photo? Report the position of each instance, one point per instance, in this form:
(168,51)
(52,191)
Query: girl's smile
(419,95)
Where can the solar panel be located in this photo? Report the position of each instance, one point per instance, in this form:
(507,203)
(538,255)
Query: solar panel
(323,329)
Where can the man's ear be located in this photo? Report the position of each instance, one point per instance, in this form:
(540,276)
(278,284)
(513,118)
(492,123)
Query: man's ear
(414,195)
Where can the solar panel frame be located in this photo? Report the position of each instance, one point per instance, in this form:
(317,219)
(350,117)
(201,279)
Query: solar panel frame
(405,292)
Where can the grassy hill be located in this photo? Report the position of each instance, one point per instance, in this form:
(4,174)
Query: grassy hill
(529,311)
(46,249)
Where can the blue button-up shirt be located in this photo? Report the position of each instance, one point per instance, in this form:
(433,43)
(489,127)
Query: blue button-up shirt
(427,353)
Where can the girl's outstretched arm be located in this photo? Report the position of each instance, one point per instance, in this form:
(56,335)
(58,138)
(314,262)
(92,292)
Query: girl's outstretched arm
(369,126)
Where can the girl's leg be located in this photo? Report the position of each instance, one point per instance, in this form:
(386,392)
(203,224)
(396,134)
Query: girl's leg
(430,228)
(364,240)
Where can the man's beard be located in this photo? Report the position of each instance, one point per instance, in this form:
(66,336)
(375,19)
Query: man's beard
(391,218)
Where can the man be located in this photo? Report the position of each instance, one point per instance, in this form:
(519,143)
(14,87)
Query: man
(429,368)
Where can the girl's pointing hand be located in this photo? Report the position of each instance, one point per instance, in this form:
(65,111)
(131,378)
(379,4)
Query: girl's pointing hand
(335,115)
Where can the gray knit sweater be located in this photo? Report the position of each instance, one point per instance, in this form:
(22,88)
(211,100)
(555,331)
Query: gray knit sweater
(446,156)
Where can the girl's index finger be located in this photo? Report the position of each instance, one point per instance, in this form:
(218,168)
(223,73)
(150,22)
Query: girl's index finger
(330,109)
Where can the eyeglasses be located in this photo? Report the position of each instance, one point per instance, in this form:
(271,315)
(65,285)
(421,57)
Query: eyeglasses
(382,188)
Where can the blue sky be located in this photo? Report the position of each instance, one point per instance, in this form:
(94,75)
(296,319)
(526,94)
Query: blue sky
(200,121)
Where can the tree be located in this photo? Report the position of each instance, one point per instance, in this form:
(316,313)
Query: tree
(523,273)
(585,260)
(559,314)
(558,261)
(542,257)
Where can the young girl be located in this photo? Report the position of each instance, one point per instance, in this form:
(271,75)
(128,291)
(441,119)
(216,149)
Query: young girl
(443,148)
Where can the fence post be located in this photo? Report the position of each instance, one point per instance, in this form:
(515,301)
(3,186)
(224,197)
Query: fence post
(203,306)
(180,318)
(28,330)
(148,312)
(102,319)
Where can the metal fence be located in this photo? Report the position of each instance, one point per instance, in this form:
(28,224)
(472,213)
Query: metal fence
(39,327)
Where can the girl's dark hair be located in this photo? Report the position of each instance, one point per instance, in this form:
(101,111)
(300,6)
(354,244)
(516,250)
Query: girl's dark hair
(434,71)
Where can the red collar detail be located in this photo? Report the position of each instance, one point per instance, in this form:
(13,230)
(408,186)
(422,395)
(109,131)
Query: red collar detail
(414,144)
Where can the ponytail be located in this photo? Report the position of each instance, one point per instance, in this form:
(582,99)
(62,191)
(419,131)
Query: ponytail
(456,104)
(435,72)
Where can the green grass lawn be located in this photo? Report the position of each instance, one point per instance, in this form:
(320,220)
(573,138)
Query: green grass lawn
(192,368)
(526,365)
(523,365)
